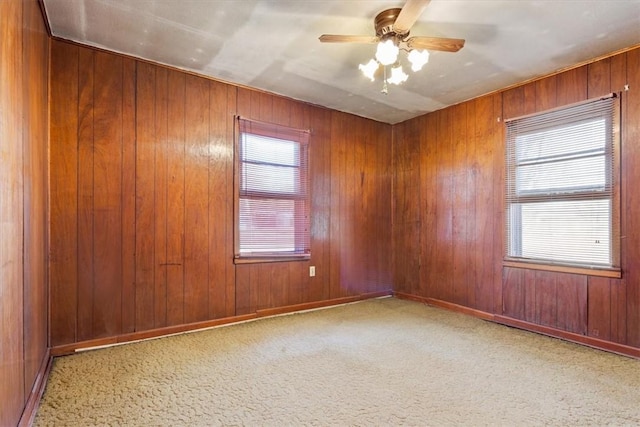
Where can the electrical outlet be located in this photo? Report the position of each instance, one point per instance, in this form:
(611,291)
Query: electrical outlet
(312,271)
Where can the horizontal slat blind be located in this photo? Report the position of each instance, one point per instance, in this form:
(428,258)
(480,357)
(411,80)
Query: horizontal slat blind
(560,186)
(273,208)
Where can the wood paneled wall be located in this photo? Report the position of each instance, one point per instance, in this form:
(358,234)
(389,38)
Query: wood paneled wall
(142,200)
(448,203)
(23,203)
(448,211)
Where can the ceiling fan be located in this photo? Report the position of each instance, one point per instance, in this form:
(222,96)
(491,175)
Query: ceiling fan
(392,34)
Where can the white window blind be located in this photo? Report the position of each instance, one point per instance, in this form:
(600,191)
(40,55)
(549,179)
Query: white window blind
(273,205)
(561,203)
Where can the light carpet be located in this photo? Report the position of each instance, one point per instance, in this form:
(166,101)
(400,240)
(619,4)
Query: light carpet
(377,362)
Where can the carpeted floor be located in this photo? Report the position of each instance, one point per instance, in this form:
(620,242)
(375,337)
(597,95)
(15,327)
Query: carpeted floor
(377,362)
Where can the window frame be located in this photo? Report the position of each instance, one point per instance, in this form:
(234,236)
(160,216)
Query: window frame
(612,177)
(302,237)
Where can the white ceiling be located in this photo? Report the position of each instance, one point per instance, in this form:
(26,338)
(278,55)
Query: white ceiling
(273,45)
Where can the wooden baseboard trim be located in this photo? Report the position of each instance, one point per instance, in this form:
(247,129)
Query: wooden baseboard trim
(33,401)
(65,349)
(448,305)
(599,344)
(612,347)
(320,304)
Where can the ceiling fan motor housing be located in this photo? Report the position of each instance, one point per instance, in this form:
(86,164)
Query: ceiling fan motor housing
(384,24)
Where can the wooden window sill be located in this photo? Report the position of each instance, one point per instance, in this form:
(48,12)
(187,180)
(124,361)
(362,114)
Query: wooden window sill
(266,259)
(614,273)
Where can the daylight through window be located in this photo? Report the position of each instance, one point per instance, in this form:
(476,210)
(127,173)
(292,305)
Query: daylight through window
(561,186)
(273,202)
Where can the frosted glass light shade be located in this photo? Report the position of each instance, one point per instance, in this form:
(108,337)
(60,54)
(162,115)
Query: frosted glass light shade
(369,69)
(418,58)
(397,75)
(387,52)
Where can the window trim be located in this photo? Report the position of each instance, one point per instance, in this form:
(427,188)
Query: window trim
(281,132)
(613,271)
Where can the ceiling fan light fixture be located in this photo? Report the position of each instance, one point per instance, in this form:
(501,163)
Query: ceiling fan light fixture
(369,69)
(387,52)
(398,75)
(392,34)
(418,58)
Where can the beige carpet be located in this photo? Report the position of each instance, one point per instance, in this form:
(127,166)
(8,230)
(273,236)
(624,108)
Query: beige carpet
(378,362)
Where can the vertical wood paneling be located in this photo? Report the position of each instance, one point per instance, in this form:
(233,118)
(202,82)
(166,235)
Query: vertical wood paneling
(599,78)
(514,293)
(320,158)
(631,175)
(63,261)
(336,234)
(12,390)
(471,173)
(618,287)
(128,197)
(401,284)
(428,220)
(261,286)
(513,103)
(23,203)
(168,139)
(218,198)
(35,56)
(161,194)
(85,194)
(280,284)
(604,308)
(571,307)
(530,102)
(196,247)
(546,300)
(462,261)
(530,296)
(498,238)
(346,192)
(145,196)
(220,203)
(444,213)
(170,178)
(484,223)
(382,138)
(546,93)
(107,199)
(175,226)
(243,297)
(618,311)
(406,210)
(571,86)
(357,196)
(599,310)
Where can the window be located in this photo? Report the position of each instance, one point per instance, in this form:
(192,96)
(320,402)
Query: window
(273,197)
(561,186)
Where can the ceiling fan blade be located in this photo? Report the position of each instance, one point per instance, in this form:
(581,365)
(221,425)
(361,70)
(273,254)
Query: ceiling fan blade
(409,15)
(435,43)
(336,38)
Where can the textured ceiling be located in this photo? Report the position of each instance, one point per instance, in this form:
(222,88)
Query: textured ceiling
(273,45)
